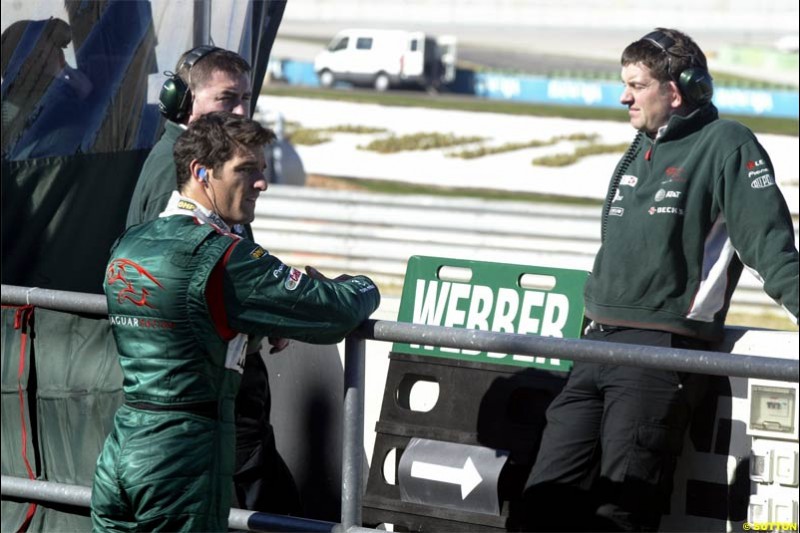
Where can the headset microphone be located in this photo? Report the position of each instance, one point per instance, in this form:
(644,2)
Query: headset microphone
(175,98)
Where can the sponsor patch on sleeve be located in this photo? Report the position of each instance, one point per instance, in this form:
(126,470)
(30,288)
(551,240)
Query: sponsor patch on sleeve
(258,252)
(763,181)
(293,279)
(362,285)
(759,173)
(278,272)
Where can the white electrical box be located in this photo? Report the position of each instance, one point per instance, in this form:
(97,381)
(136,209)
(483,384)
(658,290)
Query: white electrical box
(758,510)
(785,467)
(773,409)
(761,464)
(784,510)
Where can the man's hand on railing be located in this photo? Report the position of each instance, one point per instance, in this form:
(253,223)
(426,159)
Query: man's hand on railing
(278,344)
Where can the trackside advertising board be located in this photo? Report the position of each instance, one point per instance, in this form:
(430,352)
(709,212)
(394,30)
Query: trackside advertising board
(492,297)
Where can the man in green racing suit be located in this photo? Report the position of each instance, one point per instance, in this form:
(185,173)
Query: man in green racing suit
(183,294)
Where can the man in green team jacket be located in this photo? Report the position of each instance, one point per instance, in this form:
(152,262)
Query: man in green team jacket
(692,201)
(183,295)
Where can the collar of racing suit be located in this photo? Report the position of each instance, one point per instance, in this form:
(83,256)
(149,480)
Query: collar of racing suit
(181,205)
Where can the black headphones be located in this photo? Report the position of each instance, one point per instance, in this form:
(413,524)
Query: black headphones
(695,83)
(175,99)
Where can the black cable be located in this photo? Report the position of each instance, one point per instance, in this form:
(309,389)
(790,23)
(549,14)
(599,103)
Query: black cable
(627,159)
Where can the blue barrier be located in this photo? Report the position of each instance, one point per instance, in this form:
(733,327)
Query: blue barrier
(299,73)
(538,89)
(756,102)
(547,91)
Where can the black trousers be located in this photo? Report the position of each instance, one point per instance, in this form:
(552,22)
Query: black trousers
(609,449)
(262,481)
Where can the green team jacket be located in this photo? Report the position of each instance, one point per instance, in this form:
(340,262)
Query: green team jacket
(682,214)
(157,179)
(182,297)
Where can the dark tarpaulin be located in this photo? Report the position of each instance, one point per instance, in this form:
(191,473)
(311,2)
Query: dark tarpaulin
(98,106)
(72,208)
(79,388)
(258,38)
(18,453)
(73,148)
(71,366)
(74,139)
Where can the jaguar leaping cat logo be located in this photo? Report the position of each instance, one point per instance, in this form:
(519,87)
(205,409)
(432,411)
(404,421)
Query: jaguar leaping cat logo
(118,270)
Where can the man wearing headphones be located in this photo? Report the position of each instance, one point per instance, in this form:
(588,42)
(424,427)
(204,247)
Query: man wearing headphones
(206,79)
(692,200)
(209,79)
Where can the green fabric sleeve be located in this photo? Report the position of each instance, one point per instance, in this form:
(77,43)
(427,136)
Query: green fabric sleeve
(152,191)
(156,181)
(759,221)
(263,296)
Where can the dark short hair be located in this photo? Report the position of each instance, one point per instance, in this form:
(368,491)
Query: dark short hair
(222,60)
(213,140)
(682,55)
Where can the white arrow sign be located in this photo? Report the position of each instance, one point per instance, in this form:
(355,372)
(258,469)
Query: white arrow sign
(468,476)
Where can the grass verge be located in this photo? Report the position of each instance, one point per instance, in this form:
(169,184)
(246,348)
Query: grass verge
(562,160)
(351,128)
(417,141)
(393,187)
(307,136)
(297,134)
(510,147)
(778,126)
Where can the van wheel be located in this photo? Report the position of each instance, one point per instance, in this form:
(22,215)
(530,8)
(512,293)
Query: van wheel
(381,82)
(327,79)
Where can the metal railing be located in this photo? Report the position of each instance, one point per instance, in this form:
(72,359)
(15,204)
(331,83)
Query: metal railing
(240,519)
(375,234)
(696,361)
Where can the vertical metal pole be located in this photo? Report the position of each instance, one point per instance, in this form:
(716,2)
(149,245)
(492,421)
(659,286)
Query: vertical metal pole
(277,150)
(202,22)
(353,432)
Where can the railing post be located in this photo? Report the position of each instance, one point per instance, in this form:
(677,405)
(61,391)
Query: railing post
(353,432)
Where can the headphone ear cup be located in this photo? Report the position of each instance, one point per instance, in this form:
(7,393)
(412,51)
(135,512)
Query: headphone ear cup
(174,99)
(696,85)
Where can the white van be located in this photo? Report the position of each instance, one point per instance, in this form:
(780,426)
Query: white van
(387,58)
